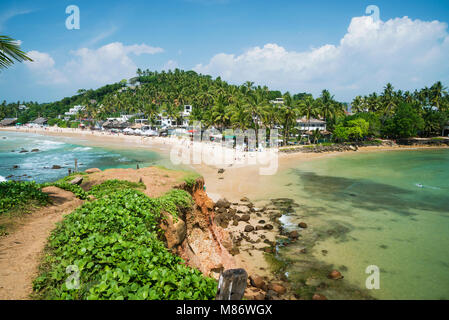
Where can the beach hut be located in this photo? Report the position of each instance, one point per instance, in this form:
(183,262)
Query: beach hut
(40,121)
(8,122)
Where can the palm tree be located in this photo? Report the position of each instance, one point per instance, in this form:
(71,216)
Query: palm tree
(10,51)
(256,104)
(240,117)
(308,108)
(437,91)
(326,104)
(389,102)
(358,104)
(288,114)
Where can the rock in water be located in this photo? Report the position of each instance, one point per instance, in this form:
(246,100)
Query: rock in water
(302,225)
(77,180)
(335,275)
(293,235)
(221,170)
(244,199)
(55,167)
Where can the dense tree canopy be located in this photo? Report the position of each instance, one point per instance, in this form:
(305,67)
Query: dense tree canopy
(219,104)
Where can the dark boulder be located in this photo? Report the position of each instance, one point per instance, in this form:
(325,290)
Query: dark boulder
(302,225)
(249,228)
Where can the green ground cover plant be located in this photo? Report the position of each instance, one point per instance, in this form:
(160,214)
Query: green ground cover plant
(15,195)
(115,243)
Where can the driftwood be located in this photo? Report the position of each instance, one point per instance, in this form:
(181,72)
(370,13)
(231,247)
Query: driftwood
(232,284)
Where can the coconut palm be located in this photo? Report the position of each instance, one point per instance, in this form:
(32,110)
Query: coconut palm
(308,109)
(288,113)
(437,91)
(10,52)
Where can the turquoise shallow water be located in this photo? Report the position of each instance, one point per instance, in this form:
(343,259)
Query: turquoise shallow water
(62,152)
(389,209)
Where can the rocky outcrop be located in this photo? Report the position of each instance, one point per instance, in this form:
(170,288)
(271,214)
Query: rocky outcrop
(319,148)
(92,170)
(175,229)
(437,142)
(76,180)
(206,245)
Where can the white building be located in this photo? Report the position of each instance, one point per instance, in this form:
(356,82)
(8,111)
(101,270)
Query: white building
(311,125)
(277,101)
(23,107)
(73,111)
(165,121)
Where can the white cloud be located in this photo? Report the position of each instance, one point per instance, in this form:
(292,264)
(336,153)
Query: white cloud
(408,53)
(90,67)
(43,65)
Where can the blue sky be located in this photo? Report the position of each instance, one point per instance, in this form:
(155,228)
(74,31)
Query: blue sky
(287,45)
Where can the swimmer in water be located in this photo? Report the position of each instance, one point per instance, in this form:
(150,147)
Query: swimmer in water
(419,185)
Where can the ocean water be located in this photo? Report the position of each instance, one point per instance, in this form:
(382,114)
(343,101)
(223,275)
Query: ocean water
(388,209)
(62,152)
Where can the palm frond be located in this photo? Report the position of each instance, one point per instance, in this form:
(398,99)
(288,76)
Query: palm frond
(10,51)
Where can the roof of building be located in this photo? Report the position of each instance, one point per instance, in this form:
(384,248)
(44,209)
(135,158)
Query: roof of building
(40,120)
(311,121)
(115,124)
(8,121)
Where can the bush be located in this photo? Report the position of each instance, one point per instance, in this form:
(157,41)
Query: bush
(110,186)
(74,125)
(351,130)
(406,123)
(114,243)
(14,195)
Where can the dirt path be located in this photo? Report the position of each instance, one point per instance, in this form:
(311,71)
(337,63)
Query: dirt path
(20,251)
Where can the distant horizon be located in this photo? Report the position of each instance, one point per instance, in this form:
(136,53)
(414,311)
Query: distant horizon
(347,48)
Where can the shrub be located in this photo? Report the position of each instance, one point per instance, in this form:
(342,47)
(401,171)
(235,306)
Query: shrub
(114,243)
(111,186)
(14,195)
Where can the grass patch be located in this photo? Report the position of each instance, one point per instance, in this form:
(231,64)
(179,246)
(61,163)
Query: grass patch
(190,178)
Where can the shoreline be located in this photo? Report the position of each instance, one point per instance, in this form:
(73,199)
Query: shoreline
(233,184)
